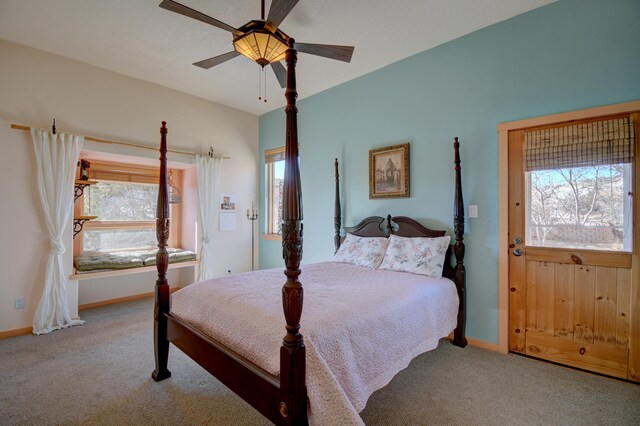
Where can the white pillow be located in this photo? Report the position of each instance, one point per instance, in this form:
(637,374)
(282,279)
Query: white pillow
(418,255)
(362,251)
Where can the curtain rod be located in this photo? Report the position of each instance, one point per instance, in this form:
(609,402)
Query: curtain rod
(132,145)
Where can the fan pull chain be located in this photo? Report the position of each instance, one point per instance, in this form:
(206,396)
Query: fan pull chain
(260,98)
(259,85)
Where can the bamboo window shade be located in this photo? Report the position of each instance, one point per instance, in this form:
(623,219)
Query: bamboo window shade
(588,143)
(273,155)
(123,173)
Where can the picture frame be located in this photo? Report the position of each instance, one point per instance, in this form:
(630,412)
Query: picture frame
(389,172)
(228,203)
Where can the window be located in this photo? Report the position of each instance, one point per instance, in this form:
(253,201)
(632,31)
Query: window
(578,184)
(274,162)
(581,207)
(124,199)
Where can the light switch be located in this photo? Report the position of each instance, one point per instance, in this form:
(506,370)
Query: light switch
(473,210)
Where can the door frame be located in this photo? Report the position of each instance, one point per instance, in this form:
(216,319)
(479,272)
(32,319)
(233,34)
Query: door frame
(503,203)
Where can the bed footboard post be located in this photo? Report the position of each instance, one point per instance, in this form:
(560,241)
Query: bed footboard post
(161,304)
(459,338)
(337,212)
(293,393)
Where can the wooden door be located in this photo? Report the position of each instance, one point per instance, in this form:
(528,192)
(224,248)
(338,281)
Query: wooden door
(569,305)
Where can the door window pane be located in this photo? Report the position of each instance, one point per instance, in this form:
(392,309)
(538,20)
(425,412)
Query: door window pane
(580,207)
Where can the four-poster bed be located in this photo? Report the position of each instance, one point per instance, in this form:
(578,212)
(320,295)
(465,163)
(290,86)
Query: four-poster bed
(283,388)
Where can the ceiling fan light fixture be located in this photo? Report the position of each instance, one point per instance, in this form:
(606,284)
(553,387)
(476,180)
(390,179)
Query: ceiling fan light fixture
(261,46)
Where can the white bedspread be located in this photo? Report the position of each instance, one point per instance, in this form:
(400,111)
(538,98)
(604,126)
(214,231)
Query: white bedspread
(360,326)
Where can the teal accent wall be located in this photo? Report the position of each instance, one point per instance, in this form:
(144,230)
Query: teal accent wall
(568,55)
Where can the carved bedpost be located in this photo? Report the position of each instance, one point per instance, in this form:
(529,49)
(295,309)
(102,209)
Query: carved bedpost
(337,213)
(161,305)
(293,393)
(459,338)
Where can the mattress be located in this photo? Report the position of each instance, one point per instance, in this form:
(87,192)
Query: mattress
(361,326)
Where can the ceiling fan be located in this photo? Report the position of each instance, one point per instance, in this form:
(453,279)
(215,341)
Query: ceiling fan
(261,40)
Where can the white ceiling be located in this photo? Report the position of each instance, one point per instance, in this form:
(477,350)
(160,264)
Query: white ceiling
(139,39)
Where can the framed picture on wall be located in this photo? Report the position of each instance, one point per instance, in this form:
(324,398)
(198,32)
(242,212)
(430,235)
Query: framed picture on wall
(389,172)
(228,203)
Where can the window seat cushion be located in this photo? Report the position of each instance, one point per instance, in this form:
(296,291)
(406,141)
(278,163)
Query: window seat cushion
(175,255)
(127,259)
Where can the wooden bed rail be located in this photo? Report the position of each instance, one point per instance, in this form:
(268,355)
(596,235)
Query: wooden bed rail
(161,305)
(459,338)
(293,393)
(283,400)
(337,212)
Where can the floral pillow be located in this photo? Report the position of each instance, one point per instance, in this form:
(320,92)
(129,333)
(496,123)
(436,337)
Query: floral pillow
(362,251)
(424,256)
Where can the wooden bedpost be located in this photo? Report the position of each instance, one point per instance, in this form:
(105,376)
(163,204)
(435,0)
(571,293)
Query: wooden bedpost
(293,393)
(459,338)
(161,305)
(337,213)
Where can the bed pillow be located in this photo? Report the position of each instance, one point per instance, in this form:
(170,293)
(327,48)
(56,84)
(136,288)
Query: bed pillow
(362,251)
(418,255)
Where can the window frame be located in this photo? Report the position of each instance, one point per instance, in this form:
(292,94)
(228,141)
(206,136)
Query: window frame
(627,217)
(127,173)
(270,171)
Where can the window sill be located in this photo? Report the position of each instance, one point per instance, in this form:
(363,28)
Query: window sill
(272,237)
(102,274)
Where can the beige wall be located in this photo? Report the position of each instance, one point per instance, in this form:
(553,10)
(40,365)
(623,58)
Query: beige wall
(35,87)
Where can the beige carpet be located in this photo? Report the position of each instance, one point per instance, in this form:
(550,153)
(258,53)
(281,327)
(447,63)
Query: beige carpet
(100,374)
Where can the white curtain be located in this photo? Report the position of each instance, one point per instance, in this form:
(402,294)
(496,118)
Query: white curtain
(208,173)
(56,158)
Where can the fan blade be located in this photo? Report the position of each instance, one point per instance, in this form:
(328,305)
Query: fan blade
(216,60)
(280,72)
(192,13)
(277,12)
(339,53)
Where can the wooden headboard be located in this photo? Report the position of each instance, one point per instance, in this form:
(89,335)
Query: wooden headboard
(402,226)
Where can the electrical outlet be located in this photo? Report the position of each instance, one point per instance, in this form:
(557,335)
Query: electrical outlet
(473,210)
(19,302)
